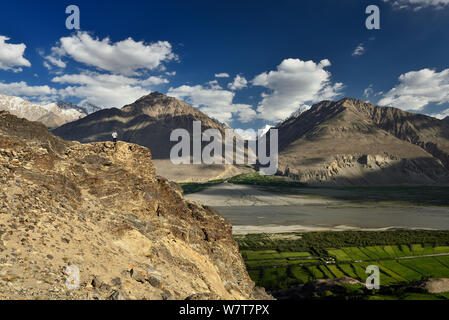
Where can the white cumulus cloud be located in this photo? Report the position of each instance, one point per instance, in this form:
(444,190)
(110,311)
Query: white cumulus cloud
(441,115)
(238,83)
(213,84)
(154,81)
(55,61)
(11,55)
(122,68)
(124,57)
(104,90)
(222,75)
(23,89)
(292,84)
(214,101)
(368,91)
(416,89)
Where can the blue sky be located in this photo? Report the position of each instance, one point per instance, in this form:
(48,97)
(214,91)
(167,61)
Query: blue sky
(286,54)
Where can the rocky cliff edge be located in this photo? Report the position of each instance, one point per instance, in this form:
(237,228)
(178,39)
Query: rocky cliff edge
(101,209)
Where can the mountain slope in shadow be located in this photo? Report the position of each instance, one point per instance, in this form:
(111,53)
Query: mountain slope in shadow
(149,122)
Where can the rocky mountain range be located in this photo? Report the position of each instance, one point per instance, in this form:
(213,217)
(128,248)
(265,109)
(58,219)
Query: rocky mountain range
(95,221)
(84,108)
(347,142)
(350,142)
(149,122)
(51,115)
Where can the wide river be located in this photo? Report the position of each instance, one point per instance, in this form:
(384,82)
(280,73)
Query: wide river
(255,210)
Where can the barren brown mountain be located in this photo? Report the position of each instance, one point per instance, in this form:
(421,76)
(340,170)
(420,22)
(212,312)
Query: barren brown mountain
(149,122)
(103,209)
(350,142)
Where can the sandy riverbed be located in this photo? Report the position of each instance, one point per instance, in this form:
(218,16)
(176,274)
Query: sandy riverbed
(257,210)
(235,195)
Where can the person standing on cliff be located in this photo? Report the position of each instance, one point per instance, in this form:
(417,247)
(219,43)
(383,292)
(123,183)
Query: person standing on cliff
(114,137)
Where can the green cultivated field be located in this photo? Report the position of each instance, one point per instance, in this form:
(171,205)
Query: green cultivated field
(395,265)
(385,252)
(274,264)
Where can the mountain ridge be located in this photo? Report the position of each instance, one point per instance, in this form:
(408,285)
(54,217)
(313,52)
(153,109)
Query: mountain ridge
(145,111)
(353,142)
(86,108)
(149,122)
(52,115)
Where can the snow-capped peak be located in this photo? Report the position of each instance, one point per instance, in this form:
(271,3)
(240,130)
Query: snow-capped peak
(52,114)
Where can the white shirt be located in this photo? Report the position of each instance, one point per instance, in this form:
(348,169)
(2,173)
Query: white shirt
(114,135)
